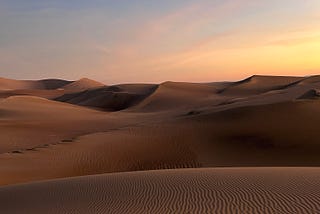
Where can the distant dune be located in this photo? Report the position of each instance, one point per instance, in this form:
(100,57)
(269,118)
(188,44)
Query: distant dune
(48,88)
(172,95)
(82,84)
(113,98)
(49,84)
(57,129)
(234,190)
(259,84)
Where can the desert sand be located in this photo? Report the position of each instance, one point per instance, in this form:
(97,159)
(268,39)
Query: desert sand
(233,190)
(83,146)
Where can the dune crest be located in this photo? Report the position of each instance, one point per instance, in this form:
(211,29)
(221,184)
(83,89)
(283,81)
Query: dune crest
(46,84)
(173,95)
(110,98)
(258,84)
(82,84)
(56,129)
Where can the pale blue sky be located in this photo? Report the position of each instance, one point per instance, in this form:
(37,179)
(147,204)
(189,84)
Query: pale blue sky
(153,41)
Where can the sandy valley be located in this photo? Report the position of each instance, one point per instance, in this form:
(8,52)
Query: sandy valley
(84,147)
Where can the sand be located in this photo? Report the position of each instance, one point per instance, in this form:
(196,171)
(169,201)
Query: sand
(233,190)
(28,121)
(113,98)
(82,84)
(47,88)
(247,136)
(48,84)
(172,95)
(259,84)
(57,129)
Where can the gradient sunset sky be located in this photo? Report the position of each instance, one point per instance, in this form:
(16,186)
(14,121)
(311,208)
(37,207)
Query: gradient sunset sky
(117,41)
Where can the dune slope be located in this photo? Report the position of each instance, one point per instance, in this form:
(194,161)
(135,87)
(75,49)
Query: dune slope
(234,190)
(27,121)
(113,98)
(82,84)
(46,84)
(246,136)
(258,84)
(177,95)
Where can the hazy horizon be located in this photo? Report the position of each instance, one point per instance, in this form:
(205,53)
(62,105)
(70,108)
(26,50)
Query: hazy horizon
(155,41)
(153,82)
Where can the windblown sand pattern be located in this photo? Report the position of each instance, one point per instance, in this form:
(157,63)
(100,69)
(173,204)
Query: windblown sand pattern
(234,190)
(57,129)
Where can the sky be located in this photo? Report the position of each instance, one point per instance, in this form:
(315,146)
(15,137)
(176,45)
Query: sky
(118,41)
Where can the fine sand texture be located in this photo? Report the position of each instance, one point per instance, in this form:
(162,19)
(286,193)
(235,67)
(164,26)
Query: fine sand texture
(233,190)
(173,125)
(102,142)
(247,136)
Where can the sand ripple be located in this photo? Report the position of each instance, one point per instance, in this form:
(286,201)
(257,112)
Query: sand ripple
(234,190)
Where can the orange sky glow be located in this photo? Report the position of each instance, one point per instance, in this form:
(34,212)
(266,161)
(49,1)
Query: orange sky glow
(197,41)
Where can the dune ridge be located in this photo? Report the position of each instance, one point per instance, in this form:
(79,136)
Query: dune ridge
(110,98)
(258,84)
(246,136)
(56,129)
(46,84)
(82,84)
(46,88)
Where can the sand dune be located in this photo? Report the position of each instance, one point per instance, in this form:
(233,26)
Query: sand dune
(262,121)
(48,94)
(32,107)
(260,96)
(258,84)
(246,136)
(48,84)
(47,88)
(312,94)
(170,96)
(27,121)
(138,88)
(234,190)
(51,84)
(307,80)
(8,84)
(113,98)
(82,84)
(173,95)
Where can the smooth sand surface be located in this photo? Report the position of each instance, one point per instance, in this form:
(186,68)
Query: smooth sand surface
(44,93)
(48,84)
(234,190)
(259,84)
(113,98)
(247,136)
(173,95)
(27,122)
(47,88)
